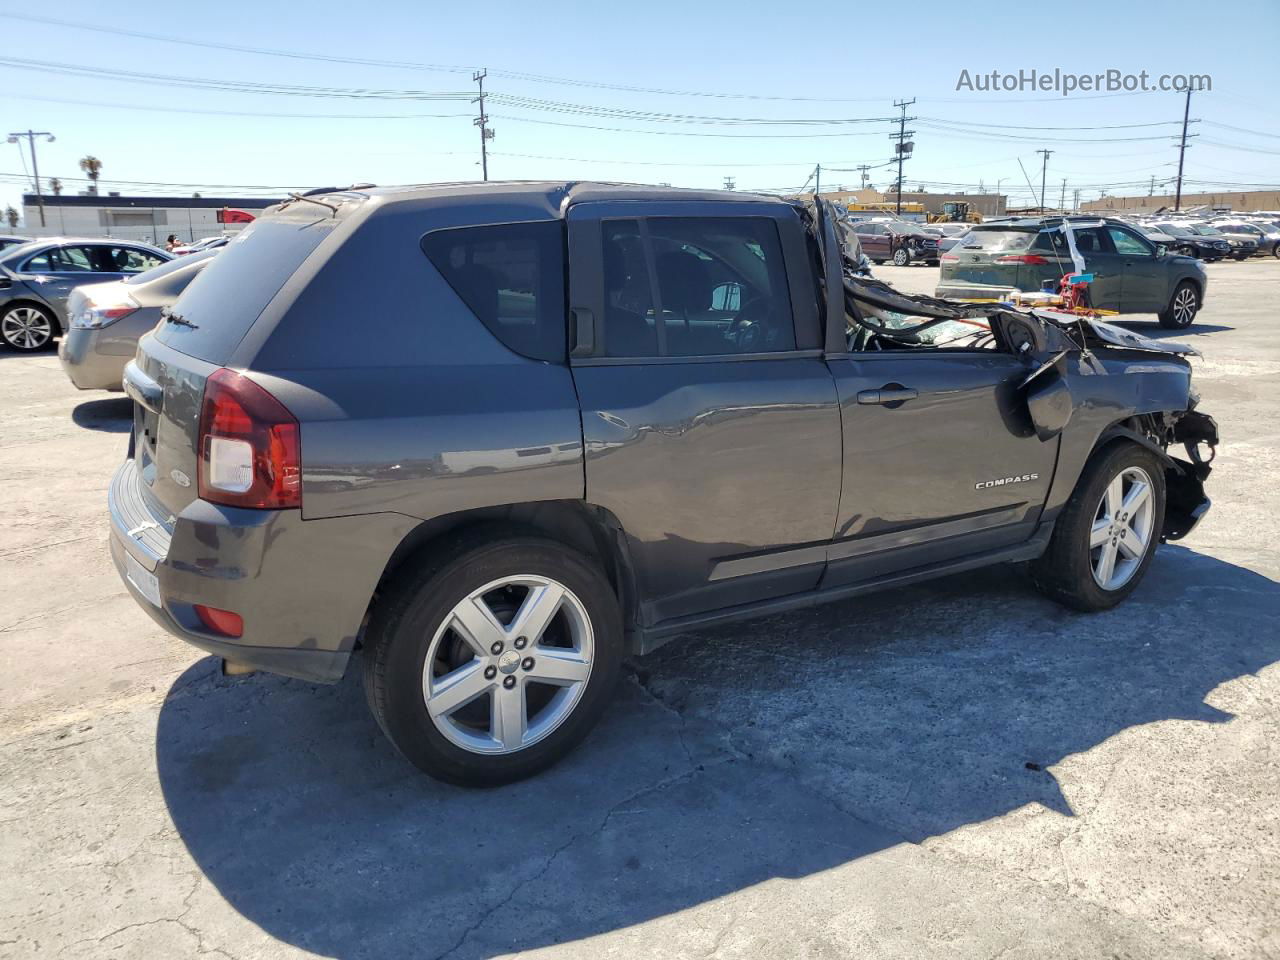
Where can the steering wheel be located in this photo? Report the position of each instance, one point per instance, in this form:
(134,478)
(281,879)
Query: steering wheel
(750,331)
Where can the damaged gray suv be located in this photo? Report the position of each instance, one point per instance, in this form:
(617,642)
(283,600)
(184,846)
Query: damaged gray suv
(570,422)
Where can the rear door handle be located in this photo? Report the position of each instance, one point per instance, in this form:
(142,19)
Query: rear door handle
(890,395)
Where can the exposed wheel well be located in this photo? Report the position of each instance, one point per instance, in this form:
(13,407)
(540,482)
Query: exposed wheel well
(592,531)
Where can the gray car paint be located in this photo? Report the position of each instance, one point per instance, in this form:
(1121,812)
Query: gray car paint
(52,289)
(94,358)
(712,487)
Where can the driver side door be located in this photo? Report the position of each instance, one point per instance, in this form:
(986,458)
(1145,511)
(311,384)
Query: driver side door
(941,459)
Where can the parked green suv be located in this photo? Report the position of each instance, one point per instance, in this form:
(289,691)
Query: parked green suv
(1131,274)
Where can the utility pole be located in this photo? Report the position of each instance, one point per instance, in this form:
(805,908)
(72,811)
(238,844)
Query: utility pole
(904,146)
(1062,202)
(1075,201)
(728,183)
(35,167)
(862,169)
(817,179)
(1182,149)
(1151,191)
(1044,170)
(482,121)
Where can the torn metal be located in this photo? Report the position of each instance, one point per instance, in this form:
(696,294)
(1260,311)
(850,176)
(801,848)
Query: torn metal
(1073,361)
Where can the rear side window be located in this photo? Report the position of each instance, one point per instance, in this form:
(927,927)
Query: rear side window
(695,287)
(511,276)
(225,299)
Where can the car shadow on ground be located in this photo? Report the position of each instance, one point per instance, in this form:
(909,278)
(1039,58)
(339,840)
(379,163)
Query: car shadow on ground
(108,415)
(775,748)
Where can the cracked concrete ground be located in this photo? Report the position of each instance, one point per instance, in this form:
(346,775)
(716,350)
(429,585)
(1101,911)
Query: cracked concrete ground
(960,769)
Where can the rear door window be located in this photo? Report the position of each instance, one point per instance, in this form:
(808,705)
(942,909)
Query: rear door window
(695,287)
(77,259)
(511,276)
(223,302)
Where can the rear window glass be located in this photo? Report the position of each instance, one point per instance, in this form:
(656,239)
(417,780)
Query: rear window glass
(178,263)
(511,275)
(998,241)
(227,297)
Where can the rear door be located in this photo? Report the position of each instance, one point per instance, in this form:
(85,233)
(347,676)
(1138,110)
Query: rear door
(874,240)
(711,422)
(59,270)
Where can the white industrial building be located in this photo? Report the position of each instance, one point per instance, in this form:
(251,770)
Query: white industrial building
(149,219)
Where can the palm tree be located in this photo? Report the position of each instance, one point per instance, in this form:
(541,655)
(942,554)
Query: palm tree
(56,186)
(11,216)
(92,166)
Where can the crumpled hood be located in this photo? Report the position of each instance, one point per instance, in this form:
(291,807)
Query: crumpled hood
(1115,336)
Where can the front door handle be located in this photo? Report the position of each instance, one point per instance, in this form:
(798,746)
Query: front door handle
(890,395)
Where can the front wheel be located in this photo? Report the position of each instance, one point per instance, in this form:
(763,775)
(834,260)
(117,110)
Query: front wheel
(901,257)
(27,327)
(1183,307)
(493,661)
(1106,535)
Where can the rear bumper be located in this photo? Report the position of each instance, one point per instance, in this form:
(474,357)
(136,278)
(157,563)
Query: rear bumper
(302,587)
(85,367)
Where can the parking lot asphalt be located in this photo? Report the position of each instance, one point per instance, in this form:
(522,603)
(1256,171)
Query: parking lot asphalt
(960,769)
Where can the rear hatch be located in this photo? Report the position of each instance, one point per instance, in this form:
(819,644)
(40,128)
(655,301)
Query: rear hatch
(1004,256)
(204,327)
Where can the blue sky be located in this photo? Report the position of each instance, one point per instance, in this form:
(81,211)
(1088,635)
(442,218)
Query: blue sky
(859,57)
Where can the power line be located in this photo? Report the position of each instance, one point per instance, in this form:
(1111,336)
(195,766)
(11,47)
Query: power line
(412,65)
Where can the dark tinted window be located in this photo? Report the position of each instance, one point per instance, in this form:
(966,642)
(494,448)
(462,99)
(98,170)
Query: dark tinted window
(629,330)
(720,284)
(228,296)
(511,275)
(1092,240)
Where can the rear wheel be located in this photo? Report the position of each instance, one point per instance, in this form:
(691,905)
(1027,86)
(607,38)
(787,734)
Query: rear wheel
(490,664)
(1106,536)
(1183,307)
(27,327)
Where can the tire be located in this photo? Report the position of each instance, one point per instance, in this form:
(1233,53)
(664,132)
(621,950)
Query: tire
(933,263)
(901,257)
(878,263)
(27,327)
(417,615)
(1275,251)
(1183,307)
(1070,571)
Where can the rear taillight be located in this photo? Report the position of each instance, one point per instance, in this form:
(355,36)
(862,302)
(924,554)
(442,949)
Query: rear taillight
(95,315)
(249,445)
(1022,258)
(949,256)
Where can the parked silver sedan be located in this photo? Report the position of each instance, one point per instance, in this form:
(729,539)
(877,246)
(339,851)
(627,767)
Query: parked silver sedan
(37,278)
(108,318)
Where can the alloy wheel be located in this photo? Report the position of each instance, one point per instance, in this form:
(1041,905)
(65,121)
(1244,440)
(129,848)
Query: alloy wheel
(508,665)
(1184,306)
(1123,526)
(26,328)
